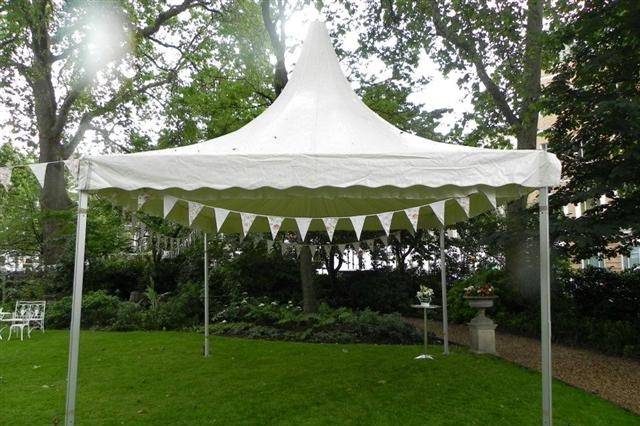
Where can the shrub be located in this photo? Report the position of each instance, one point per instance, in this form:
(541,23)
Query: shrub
(182,309)
(382,290)
(130,316)
(58,314)
(261,318)
(99,310)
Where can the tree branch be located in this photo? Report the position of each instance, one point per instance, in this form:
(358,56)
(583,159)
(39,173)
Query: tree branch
(116,99)
(469,53)
(172,12)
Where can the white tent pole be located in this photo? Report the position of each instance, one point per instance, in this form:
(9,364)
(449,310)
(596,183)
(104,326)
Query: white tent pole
(76,306)
(545,307)
(443,281)
(206,298)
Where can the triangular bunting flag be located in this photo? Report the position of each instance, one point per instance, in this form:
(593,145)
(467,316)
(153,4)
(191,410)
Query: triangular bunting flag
(73,165)
(438,210)
(356,246)
(269,246)
(303,226)
(39,170)
(413,214)
(283,248)
(297,247)
(142,200)
(358,224)
(5,177)
(384,240)
(168,203)
(330,225)
(247,221)
(341,248)
(327,249)
(491,197)
(464,203)
(274,224)
(221,216)
(313,249)
(194,211)
(385,220)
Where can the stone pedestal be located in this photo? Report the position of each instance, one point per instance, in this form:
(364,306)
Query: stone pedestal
(483,334)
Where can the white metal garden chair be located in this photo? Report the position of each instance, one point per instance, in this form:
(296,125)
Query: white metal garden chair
(19,322)
(36,310)
(27,315)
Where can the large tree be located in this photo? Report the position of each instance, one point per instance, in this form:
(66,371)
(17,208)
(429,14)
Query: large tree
(68,68)
(595,95)
(496,50)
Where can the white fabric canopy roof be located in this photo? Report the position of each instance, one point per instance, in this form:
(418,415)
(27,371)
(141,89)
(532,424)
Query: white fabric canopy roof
(318,151)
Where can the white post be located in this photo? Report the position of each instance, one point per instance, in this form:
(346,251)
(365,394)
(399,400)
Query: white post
(206,298)
(76,306)
(545,307)
(443,282)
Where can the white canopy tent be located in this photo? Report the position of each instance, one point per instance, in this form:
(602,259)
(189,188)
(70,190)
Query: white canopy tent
(316,154)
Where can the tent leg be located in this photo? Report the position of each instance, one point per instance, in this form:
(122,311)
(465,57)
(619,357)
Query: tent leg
(206,298)
(76,306)
(545,307)
(443,281)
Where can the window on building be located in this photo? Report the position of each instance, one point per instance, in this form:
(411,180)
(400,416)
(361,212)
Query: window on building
(593,262)
(633,259)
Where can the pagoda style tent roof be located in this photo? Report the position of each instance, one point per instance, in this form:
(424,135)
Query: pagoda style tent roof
(318,151)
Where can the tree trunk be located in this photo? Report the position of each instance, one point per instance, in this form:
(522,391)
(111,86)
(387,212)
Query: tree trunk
(309,300)
(54,201)
(521,252)
(56,215)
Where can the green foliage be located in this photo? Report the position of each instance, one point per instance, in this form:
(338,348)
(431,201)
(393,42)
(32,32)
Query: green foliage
(594,94)
(262,318)
(598,308)
(383,291)
(19,213)
(99,310)
(231,82)
(463,39)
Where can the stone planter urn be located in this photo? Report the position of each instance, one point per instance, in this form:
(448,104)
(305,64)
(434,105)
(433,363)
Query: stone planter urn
(481,327)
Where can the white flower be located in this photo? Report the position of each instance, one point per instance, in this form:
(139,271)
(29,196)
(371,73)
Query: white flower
(261,305)
(274,303)
(224,321)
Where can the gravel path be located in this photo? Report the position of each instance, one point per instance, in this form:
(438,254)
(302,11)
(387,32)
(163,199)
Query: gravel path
(612,378)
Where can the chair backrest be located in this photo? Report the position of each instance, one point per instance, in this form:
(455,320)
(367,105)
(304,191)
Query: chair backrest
(30,309)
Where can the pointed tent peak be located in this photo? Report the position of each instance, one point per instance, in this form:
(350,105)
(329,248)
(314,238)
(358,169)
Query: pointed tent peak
(318,66)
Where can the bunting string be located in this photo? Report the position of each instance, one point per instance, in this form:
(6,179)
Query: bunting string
(330,223)
(39,170)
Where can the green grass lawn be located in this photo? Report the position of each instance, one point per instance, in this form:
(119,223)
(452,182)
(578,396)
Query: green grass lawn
(160,378)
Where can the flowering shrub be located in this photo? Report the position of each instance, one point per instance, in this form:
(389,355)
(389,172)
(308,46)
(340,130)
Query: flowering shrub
(483,290)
